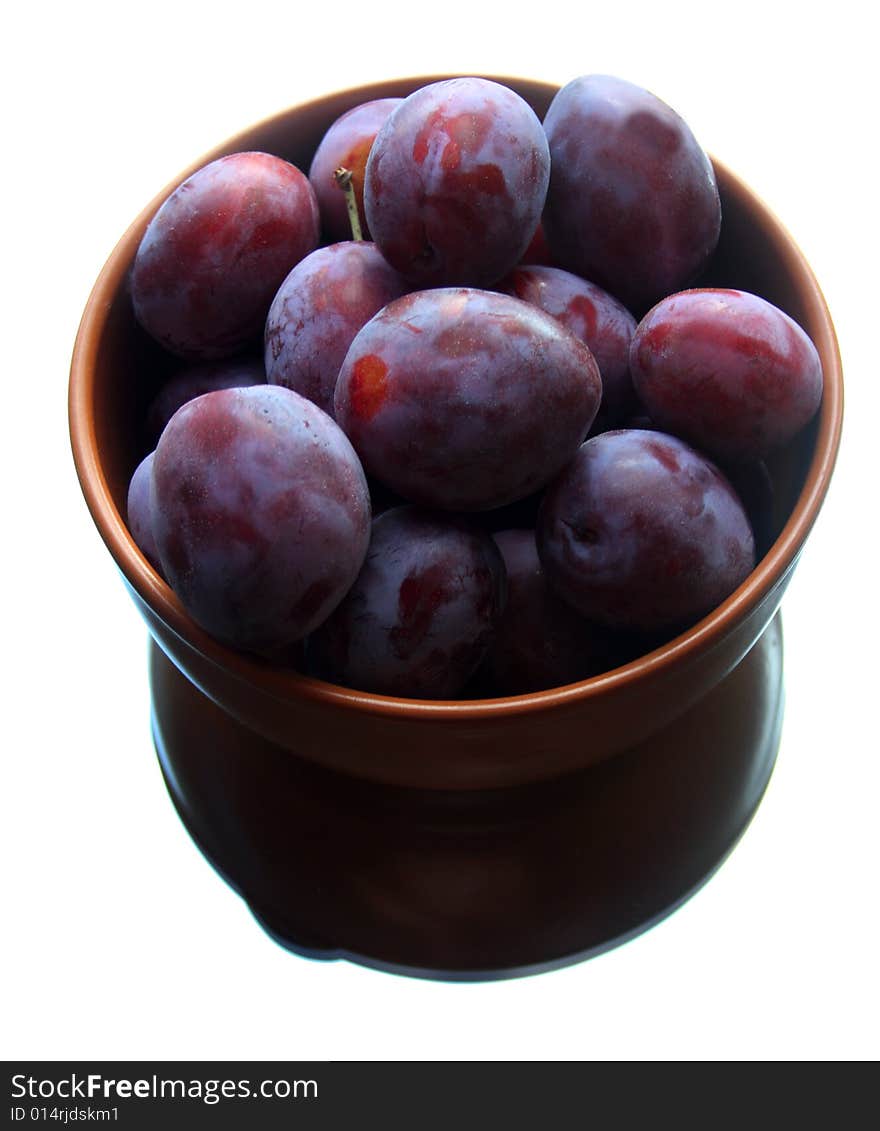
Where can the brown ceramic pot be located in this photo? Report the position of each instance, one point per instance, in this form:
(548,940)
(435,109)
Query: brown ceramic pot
(449,744)
(660,701)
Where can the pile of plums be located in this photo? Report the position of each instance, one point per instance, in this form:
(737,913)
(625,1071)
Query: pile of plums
(472,444)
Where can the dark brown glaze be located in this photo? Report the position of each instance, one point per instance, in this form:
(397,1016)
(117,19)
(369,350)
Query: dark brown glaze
(475,884)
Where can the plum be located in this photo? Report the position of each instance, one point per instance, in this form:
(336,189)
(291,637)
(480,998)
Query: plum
(218,249)
(317,311)
(726,370)
(195,379)
(261,515)
(594,316)
(139,511)
(419,618)
(633,203)
(455,183)
(641,532)
(540,641)
(346,144)
(465,399)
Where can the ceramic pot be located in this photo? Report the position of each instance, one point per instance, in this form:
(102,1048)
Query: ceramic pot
(614,723)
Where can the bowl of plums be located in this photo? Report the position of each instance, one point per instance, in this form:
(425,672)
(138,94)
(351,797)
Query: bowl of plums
(456,437)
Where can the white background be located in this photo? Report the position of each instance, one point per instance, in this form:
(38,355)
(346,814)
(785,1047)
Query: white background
(119,941)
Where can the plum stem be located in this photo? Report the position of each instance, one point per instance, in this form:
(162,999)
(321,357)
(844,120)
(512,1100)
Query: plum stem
(343,179)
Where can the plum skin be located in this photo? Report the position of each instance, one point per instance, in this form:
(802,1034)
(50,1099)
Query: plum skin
(633,204)
(195,379)
(727,371)
(455,183)
(347,143)
(318,309)
(465,399)
(641,532)
(604,325)
(420,616)
(139,511)
(217,250)
(261,515)
(540,641)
